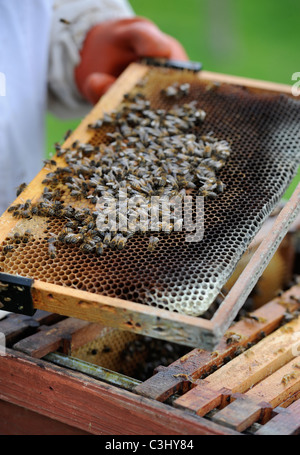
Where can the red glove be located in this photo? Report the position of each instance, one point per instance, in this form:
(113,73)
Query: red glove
(110,47)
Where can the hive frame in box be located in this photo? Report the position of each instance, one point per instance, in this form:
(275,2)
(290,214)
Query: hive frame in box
(126,315)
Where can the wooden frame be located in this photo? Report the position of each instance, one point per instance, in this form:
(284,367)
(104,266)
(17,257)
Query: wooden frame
(157,323)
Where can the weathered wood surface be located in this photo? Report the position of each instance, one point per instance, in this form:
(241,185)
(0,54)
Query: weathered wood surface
(243,372)
(66,335)
(125,315)
(266,395)
(180,375)
(287,422)
(242,413)
(16,326)
(19,421)
(90,405)
(246,82)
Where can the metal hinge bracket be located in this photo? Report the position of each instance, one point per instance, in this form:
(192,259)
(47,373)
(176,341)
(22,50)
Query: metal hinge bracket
(175,64)
(15,294)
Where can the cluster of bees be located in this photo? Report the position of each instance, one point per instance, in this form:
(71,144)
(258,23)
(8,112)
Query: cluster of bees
(154,353)
(149,152)
(176,90)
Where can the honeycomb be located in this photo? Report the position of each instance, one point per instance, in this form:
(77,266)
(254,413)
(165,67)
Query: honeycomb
(263,131)
(128,353)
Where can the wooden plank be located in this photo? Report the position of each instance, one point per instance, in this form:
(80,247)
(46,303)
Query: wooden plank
(243,372)
(17,421)
(16,326)
(241,413)
(246,82)
(284,424)
(280,385)
(286,403)
(275,389)
(122,314)
(91,405)
(180,375)
(68,334)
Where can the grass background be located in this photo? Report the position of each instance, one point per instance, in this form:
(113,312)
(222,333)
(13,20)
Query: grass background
(257,39)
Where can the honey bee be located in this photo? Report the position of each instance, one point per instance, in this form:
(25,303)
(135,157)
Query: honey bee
(253,317)
(153,241)
(13,208)
(21,188)
(171,91)
(67,134)
(49,162)
(117,241)
(77,194)
(207,152)
(233,338)
(75,144)
(17,238)
(220,186)
(51,181)
(287,378)
(52,250)
(87,247)
(65,21)
(8,248)
(108,119)
(207,194)
(96,125)
(27,234)
(99,248)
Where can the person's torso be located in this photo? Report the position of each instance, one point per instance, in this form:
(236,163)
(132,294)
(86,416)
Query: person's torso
(24,41)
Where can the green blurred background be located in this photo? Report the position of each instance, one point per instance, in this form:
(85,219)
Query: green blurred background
(252,38)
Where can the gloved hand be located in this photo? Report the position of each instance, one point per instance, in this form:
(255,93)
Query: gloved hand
(110,46)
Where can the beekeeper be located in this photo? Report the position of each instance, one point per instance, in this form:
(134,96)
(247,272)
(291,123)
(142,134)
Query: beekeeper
(61,55)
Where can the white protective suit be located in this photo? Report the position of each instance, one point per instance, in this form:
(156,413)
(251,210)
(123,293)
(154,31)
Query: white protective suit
(38,54)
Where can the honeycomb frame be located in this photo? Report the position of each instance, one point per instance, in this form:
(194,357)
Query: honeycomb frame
(156,321)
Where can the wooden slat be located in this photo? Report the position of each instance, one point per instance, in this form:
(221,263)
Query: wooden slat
(286,403)
(273,390)
(241,413)
(180,375)
(246,82)
(89,404)
(68,334)
(16,326)
(279,386)
(245,371)
(284,424)
(122,314)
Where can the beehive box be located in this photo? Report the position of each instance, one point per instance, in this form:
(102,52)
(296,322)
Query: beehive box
(73,373)
(159,293)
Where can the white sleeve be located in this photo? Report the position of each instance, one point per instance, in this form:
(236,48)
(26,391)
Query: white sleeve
(66,40)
